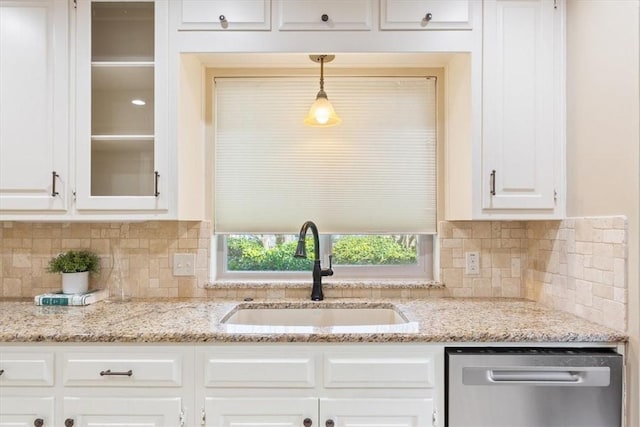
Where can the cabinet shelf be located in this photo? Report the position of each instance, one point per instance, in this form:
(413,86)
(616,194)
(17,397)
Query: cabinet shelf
(122,137)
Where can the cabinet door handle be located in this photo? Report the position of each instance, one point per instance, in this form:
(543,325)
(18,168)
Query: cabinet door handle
(329,423)
(38,422)
(324,17)
(428,17)
(307,422)
(54,175)
(68,422)
(108,373)
(1,372)
(155,185)
(493,183)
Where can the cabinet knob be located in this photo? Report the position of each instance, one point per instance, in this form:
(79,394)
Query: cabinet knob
(222,18)
(68,422)
(1,371)
(307,422)
(324,17)
(38,422)
(428,17)
(329,423)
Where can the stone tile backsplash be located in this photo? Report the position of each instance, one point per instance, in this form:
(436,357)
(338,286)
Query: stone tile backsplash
(503,252)
(577,265)
(144,253)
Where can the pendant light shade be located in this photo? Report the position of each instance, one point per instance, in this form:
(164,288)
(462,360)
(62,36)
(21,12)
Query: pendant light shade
(321,113)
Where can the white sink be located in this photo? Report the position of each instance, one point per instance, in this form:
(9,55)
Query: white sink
(307,319)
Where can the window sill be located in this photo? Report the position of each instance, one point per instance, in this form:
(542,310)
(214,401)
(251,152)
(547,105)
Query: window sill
(328,284)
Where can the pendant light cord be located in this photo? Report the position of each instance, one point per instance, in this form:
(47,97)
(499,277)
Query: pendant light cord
(322,73)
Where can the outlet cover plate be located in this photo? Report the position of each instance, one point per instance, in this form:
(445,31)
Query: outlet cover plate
(472,264)
(184,264)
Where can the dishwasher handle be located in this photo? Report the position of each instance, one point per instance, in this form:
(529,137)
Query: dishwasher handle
(581,376)
(499,375)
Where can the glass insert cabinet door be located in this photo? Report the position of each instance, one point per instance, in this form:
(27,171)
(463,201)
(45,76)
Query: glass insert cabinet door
(121,141)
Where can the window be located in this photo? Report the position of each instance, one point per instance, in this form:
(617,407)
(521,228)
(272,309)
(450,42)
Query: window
(368,183)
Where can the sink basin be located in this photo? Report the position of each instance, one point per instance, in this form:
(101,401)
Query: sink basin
(307,319)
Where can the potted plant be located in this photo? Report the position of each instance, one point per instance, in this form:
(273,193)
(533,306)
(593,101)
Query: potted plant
(75,267)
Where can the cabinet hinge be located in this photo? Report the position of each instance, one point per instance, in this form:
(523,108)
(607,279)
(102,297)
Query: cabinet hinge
(555,4)
(75,4)
(203,418)
(74,196)
(182,418)
(434,419)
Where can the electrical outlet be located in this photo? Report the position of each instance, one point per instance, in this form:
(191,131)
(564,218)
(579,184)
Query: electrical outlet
(472,265)
(184,264)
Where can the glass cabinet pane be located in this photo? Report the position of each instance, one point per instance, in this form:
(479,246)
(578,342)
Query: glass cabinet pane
(122,167)
(122,99)
(122,31)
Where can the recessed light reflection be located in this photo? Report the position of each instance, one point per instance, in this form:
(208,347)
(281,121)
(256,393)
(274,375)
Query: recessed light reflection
(138,102)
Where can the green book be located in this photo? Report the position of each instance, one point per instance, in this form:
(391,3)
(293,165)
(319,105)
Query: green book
(58,298)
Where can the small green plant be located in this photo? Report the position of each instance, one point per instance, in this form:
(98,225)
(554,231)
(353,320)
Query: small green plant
(74,262)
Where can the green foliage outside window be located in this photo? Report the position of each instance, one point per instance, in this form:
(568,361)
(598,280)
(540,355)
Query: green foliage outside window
(373,250)
(256,253)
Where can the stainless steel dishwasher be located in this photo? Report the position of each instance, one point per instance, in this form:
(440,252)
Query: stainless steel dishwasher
(533,387)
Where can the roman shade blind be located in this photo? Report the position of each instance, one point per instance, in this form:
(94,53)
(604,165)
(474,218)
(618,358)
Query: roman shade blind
(374,173)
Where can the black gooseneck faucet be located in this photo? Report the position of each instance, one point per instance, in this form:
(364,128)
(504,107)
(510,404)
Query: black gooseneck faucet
(318,272)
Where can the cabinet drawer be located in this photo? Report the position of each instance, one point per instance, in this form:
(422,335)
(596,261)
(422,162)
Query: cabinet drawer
(122,370)
(226,15)
(424,15)
(26,369)
(325,15)
(258,368)
(355,370)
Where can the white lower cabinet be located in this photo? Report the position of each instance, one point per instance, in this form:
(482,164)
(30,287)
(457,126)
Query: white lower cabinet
(26,387)
(222,385)
(23,411)
(114,411)
(346,385)
(257,411)
(376,412)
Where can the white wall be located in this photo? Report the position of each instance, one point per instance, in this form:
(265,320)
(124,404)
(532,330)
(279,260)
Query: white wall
(603,134)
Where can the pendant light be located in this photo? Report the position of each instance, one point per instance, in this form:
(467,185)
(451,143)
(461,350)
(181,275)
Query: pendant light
(321,113)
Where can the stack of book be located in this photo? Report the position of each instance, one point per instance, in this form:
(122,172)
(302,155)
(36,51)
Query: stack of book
(58,298)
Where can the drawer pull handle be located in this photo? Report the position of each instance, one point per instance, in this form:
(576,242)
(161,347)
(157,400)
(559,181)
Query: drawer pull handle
(324,17)
(428,17)
(122,374)
(329,423)
(68,422)
(38,422)
(307,422)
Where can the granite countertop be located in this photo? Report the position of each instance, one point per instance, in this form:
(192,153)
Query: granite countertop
(430,320)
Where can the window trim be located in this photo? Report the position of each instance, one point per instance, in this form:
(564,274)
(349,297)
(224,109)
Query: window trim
(425,269)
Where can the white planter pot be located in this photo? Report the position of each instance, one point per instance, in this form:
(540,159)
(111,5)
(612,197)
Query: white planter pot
(75,283)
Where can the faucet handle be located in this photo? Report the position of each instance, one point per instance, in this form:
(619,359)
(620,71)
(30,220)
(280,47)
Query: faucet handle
(327,271)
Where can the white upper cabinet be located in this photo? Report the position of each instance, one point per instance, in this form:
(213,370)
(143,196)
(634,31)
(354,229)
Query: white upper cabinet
(226,15)
(34,105)
(522,143)
(326,15)
(121,106)
(425,15)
